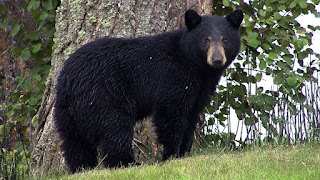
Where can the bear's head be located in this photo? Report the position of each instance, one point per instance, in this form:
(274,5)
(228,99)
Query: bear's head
(213,40)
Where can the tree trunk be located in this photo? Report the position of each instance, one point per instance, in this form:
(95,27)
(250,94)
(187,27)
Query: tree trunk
(78,22)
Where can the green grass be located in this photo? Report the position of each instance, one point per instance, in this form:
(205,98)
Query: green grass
(269,163)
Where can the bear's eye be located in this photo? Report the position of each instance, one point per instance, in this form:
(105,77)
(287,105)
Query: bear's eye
(207,41)
(224,40)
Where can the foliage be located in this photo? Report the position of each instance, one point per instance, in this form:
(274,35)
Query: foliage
(274,48)
(34,36)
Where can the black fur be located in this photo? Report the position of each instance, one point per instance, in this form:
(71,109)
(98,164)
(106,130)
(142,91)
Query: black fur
(109,84)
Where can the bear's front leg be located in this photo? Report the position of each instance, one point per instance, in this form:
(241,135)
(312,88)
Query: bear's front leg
(187,140)
(170,127)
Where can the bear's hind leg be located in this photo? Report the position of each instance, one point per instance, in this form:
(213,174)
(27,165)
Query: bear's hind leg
(79,154)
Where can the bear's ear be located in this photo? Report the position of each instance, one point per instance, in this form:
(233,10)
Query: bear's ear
(192,19)
(235,18)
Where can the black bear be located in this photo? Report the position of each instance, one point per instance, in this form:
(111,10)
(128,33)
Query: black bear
(107,85)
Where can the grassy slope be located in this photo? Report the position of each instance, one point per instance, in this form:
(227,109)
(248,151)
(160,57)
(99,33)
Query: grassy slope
(272,163)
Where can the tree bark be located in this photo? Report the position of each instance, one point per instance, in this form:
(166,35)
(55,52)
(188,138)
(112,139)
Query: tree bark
(78,22)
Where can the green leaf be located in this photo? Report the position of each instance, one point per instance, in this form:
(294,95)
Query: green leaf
(235,104)
(251,79)
(33,4)
(4,25)
(249,121)
(292,4)
(262,65)
(270,100)
(288,91)
(220,87)
(292,81)
(282,65)
(30,5)
(262,12)
(16,52)
(259,77)
(210,122)
(252,39)
(278,79)
(43,16)
(240,114)
(23,4)
(267,107)
(237,65)
(292,108)
(36,77)
(276,16)
(269,61)
(27,85)
(226,3)
(17,106)
(36,48)
(25,54)
(40,25)
(15,29)
(33,36)
(269,9)
(289,59)
(33,101)
(3,131)
(273,55)
(300,98)
(10,113)
(47,4)
(281,7)
(3,8)
(303,4)
(270,21)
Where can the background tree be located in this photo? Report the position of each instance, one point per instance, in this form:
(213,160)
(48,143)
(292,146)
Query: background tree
(78,22)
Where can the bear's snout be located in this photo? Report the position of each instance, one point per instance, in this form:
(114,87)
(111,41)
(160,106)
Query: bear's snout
(216,55)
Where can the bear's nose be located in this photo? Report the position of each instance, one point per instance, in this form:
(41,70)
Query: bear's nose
(217,63)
